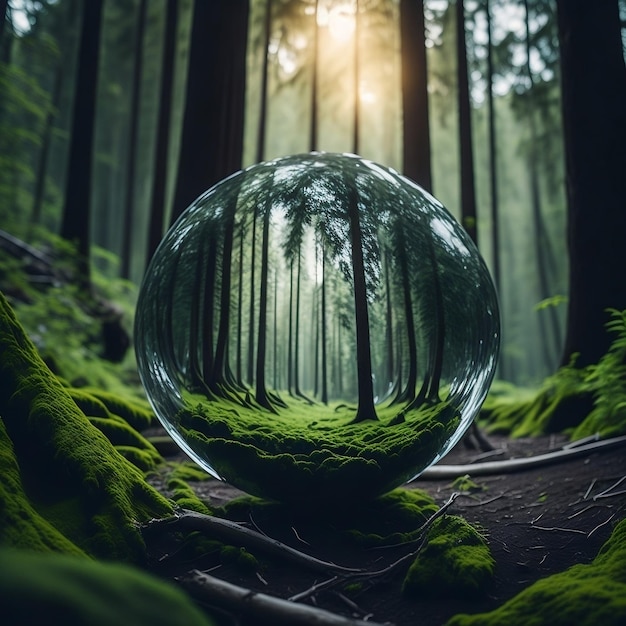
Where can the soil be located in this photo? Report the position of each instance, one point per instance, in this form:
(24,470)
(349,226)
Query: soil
(538,522)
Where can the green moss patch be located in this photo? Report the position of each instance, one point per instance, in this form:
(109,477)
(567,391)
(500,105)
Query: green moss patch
(313,453)
(585,595)
(456,560)
(66,473)
(61,589)
(580,401)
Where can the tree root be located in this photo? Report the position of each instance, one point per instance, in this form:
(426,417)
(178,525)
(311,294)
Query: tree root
(490,468)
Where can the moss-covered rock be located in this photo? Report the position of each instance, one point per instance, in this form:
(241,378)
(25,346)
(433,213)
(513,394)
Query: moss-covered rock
(455,561)
(66,474)
(585,595)
(61,589)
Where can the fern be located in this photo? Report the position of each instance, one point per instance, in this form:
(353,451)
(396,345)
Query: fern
(608,380)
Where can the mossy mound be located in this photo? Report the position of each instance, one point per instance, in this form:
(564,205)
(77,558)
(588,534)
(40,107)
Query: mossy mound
(585,595)
(456,560)
(309,454)
(530,413)
(67,488)
(580,401)
(61,589)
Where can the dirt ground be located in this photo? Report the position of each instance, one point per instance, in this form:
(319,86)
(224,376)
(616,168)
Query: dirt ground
(538,522)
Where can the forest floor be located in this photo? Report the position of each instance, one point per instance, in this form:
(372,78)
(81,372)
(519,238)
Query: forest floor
(538,522)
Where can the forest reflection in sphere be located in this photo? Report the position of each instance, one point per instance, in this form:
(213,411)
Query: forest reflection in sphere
(316,327)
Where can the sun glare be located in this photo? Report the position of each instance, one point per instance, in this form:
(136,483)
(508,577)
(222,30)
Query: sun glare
(339,19)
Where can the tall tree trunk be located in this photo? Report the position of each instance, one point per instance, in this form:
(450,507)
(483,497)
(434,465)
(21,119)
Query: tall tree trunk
(42,165)
(261,391)
(222,368)
(212,134)
(323,325)
(296,330)
(261,129)
(493,157)
(408,393)
(251,309)
(356,141)
(415,120)
(4,5)
(314,81)
(389,321)
(135,101)
(75,224)
(239,356)
(290,334)
(161,156)
(594,124)
(551,332)
(468,194)
(366,409)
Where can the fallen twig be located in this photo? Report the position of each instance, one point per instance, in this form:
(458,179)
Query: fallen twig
(266,608)
(447,472)
(608,492)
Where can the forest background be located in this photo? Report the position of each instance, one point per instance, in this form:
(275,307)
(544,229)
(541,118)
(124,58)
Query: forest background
(116,114)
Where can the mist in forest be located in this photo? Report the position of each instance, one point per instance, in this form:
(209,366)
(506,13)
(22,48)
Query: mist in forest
(314,75)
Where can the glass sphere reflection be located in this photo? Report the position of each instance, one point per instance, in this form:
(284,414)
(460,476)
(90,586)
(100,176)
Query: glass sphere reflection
(316,327)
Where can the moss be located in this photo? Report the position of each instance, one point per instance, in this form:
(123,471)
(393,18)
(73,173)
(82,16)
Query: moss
(134,411)
(63,458)
(526,413)
(240,557)
(185,497)
(21,525)
(51,589)
(585,594)
(465,484)
(456,560)
(128,442)
(187,470)
(579,401)
(332,460)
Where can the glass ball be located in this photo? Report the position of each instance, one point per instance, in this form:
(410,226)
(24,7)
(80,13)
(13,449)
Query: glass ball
(316,328)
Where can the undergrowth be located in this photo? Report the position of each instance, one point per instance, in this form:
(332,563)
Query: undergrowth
(578,401)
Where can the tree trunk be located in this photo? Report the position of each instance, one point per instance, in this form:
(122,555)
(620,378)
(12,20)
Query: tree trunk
(250,369)
(323,324)
(365,410)
(161,161)
(212,134)
(493,159)
(75,225)
(42,165)
(594,123)
(468,194)
(135,100)
(415,125)
(261,129)
(261,391)
(357,82)
(314,82)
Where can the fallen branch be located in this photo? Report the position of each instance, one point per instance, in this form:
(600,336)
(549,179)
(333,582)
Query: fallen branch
(447,472)
(229,531)
(268,609)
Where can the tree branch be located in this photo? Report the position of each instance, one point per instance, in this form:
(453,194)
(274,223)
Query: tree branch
(268,609)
